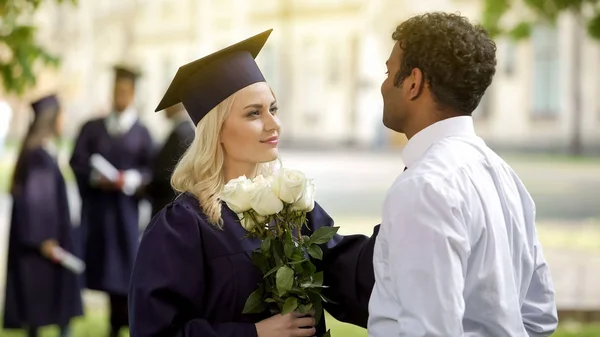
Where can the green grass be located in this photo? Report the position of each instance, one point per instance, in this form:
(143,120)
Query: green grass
(95,324)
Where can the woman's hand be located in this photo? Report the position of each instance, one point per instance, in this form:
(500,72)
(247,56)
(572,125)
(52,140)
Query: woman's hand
(293,324)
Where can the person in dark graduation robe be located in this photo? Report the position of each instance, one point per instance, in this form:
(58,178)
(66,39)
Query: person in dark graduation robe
(110,204)
(159,190)
(39,291)
(193,272)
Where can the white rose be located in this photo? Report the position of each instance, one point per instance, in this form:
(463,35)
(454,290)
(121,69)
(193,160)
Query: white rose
(307,201)
(262,198)
(289,185)
(236,194)
(248,222)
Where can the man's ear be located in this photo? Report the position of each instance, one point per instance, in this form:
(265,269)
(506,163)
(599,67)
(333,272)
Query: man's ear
(415,84)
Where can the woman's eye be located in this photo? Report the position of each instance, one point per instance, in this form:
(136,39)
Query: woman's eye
(274,110)
(253,113)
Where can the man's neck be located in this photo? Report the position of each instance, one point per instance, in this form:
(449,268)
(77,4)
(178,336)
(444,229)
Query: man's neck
(425,120)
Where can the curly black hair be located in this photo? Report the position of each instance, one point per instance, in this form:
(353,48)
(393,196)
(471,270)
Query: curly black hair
(458,59)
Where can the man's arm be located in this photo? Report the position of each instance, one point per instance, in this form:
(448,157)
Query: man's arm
(428,249)
(539,308)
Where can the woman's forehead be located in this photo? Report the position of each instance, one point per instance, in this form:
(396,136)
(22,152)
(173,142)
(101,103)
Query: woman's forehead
(259,92)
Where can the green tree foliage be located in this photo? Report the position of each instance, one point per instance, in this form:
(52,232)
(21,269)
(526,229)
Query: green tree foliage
(20,53)
(547,10)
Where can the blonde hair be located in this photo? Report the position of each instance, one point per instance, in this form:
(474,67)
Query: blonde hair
(200,169)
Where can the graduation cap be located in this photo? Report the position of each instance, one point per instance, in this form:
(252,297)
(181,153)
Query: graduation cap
(203,84)
(46,103)
(127,72)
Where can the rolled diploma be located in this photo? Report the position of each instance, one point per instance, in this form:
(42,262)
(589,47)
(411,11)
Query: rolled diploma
(68,260)
(104,167)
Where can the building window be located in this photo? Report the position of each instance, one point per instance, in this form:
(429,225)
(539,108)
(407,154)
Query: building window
(546,93)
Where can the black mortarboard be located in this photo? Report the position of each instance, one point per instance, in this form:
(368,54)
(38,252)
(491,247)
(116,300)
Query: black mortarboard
(123,71)
(203,84)
(46,103)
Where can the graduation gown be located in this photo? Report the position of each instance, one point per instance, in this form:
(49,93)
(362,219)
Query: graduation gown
(191,279)
(39,292)
(110,219)
(159,191)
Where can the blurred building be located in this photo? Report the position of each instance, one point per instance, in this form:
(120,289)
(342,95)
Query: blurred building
(325,61)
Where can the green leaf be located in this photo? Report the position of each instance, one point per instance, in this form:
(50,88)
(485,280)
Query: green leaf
(315,251)
(278,253)
(298,291)
(260,261)
(254,303)
(318,279)
(297,266)
(593,26)
(298,261)
(315,281)
(284,279)
(305,308)
(308,268)
(274,269)
(521,31)
(316,301)
(289,249)
(265,246)
(326,299)
(323,235)
(290,304)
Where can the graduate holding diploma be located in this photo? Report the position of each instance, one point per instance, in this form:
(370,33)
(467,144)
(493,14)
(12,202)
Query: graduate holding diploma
(42,286)
(111,161)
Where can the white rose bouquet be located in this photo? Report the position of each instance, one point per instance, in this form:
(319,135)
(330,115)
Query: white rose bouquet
(274,210)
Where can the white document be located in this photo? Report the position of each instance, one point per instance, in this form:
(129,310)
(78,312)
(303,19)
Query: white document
(68,260)
(104,167)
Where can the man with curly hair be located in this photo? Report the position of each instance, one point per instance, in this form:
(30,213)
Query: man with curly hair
(458,253)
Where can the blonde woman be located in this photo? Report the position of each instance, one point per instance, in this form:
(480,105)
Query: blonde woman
(193,271)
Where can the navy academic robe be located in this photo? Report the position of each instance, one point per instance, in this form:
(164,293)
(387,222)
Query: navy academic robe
(110,219)
(39,292)
(159,191)
(191,279)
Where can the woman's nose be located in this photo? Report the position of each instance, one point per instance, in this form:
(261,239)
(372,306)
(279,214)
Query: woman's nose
(271,122)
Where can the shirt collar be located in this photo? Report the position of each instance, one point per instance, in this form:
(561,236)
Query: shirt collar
(420,142)
(121,123)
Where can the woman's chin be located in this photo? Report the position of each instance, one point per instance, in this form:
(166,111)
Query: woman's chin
(270,155)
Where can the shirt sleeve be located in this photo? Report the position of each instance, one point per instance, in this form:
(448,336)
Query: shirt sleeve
(539,307)
(428,254)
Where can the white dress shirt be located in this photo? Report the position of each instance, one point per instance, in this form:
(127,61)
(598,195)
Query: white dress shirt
(457,253)
(117,125)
